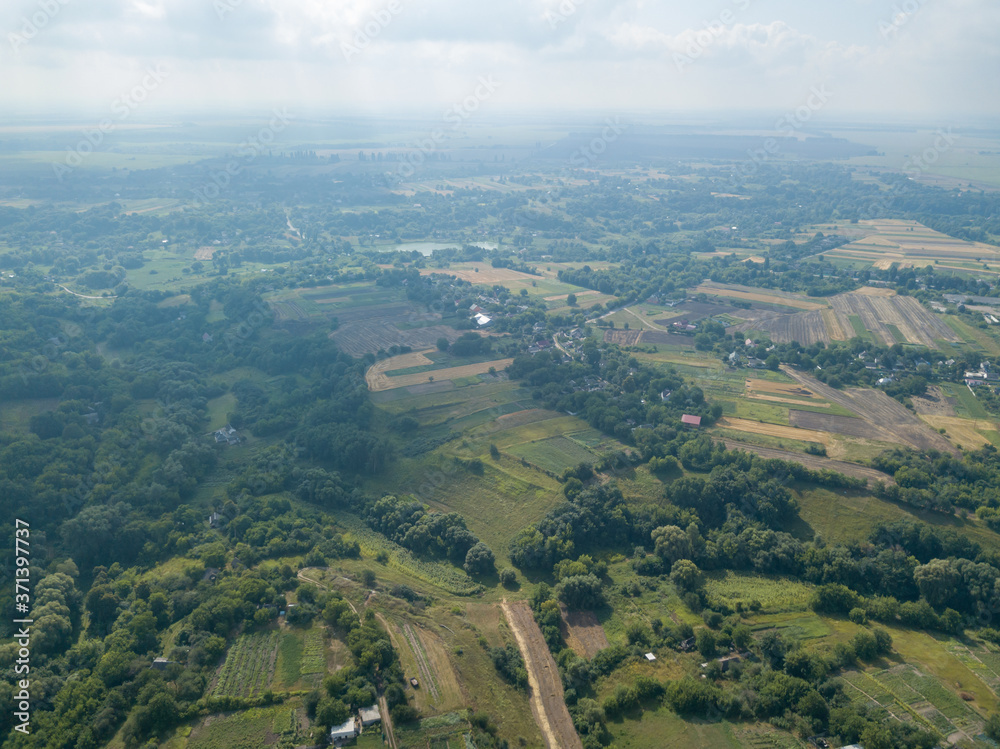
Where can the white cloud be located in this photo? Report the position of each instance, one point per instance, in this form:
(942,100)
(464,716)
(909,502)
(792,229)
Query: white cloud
(575,54)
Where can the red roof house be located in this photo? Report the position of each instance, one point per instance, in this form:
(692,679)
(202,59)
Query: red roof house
(693,421)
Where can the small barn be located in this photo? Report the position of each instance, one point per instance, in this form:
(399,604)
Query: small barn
(691,421)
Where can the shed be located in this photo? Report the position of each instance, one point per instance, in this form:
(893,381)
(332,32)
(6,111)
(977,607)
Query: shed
(414,683)
(650,657)
(370,716)
(691,421)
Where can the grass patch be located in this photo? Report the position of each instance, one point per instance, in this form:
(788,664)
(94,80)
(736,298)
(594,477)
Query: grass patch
(553,454)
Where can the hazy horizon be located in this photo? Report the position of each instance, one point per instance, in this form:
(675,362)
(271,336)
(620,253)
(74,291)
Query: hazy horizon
(872,60)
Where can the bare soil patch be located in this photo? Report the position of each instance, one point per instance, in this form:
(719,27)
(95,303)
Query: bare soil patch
(890,418)
(666,339)
(547,702)
(623,337)
(934,403)
(204,253)
(583,632)
(847,425)
(805,327)
(813,462)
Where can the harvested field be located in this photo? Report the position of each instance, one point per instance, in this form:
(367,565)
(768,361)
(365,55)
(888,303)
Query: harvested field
(773,430)
(834,424)
(583,632)
(379,381)
(916,323)
(909,244)
(547,702)
(894,422)
(813,462)
(481,273)
(806,328)
(204,253)
(623,337)
(964,432)
(764,296)
(789,389)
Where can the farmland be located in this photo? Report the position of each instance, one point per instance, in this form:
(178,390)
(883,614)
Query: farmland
(379,381)
(248,667)
(908,244)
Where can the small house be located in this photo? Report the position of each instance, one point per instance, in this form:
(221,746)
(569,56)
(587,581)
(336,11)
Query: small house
(650,657)
(343,733)
(161,663)
(691,421)
(414,683)
(370,716)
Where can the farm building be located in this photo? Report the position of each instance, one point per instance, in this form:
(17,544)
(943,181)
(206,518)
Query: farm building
(691,421)
(482,320)
(161,663)
(343,733)
(370,716)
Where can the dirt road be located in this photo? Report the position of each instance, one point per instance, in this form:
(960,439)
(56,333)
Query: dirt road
(547,701)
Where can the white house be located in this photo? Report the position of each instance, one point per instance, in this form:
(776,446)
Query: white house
(344,733)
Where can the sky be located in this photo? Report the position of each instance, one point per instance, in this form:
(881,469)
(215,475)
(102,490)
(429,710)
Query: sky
(891,59)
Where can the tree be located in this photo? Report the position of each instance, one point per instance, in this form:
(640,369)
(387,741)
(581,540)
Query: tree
(706,643)
(581,592)
(571,300)
(686,575)
(672,543)
(480,560)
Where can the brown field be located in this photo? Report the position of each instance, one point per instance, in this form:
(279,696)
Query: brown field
(964,432)
(583,632)
(773,430)
(623,337)
(765,296)
(779,388)
(204,253)
(671,339)
(378,381)
(547,702)
(805,327)
(889,417)
(916,323)
(481,273)
(847,425)
(813,462)
(377,378)
(876,308)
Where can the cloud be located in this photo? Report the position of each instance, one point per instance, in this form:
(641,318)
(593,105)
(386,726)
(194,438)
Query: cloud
(559,53)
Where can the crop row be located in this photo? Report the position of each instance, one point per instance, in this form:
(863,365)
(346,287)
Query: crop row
(247,668)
